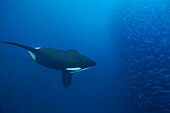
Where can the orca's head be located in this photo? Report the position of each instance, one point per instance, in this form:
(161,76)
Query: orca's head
(86,62)
(81,63)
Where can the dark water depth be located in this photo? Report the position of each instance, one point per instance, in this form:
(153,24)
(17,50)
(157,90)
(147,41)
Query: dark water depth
(129,40)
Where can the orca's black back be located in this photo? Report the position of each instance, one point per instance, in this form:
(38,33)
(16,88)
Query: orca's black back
(56,58)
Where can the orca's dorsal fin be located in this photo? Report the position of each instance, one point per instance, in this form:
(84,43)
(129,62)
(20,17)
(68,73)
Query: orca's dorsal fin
(20,45)
(66,78)
(73,51)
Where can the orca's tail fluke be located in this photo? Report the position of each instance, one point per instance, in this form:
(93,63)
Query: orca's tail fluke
(20,45)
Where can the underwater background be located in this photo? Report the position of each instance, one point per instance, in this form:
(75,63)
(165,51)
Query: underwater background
(129,40)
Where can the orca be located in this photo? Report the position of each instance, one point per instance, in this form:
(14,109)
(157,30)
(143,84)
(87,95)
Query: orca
(68,61)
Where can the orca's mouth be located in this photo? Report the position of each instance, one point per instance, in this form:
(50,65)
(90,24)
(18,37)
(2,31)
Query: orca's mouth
(93,63)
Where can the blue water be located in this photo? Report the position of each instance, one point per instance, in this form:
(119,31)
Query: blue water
(129,40)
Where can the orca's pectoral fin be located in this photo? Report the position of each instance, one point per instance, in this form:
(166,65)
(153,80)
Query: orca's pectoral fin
(66,78)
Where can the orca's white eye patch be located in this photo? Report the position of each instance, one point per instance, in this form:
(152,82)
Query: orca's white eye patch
(73,69)
(76,69)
